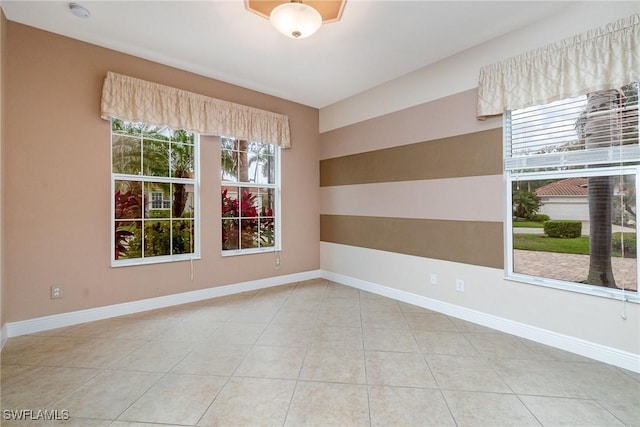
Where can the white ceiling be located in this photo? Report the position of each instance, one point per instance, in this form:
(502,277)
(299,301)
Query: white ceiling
(374,42)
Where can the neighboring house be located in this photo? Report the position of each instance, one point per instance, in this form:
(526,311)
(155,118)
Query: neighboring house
(565,199)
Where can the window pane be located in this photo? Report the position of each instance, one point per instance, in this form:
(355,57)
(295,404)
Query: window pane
(590,235)
(128,239)
(229,166)
(188,197)
(265,202)
(156,238)
(249,203)
(230,206)
(249,234)
(260,161)
(126,155)
(267,231)
(158,200)
(128,200)
(230,234)
(182,161)
(156,158)
(182,237)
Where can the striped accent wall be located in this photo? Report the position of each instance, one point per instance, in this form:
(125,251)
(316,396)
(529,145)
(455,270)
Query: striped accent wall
(438,198)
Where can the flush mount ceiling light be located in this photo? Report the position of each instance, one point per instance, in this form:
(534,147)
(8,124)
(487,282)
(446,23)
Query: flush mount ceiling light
(296,19)
(79,10)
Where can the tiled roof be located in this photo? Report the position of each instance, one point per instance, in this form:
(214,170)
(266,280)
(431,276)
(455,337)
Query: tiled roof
(565,187)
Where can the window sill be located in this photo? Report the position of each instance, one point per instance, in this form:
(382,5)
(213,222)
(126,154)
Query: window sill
(154,260)
(598,291)
(235,252)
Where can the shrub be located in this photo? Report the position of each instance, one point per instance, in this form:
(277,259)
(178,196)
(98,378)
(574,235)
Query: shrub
(563,229)
(540,218)
(629,240)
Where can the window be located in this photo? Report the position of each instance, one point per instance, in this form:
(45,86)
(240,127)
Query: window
(250,179)
(571,174)
(154,194)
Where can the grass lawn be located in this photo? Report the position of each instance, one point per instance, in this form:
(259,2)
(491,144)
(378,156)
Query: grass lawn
(535,242)
(527,224)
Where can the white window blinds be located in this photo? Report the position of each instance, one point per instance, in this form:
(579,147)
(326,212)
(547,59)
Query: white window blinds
(600,128)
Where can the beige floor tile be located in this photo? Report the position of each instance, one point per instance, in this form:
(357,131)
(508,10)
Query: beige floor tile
(347,304)
(501,346)
(10,374)
(176,399)
(539,377)
(376,305)
(155,356)
(339,316)
(250,402)
(337,337)
(43,386)
(108,394)
(135,424)
(465,373)
(99,352)
(628,412)
(553,411)
(451,343)
(410,308)
(326,404)
(334,365)
(488,409)
(604,382)
(390,340)
(39,350)
(464,326)
(287,334)
(301,302)
(174,313)
(290,316)
(405,407)
(398,369)
(237,333)
(211,314)
(56,420)
(190,330)
(551,353)
(212,359)
(384,320)
(340,291)
(141,329)
(254,315)
(99,328)
(430,322)
(272,362)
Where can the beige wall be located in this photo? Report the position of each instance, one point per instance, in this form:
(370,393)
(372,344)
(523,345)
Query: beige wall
(3,26)
(394,211)
(57,178)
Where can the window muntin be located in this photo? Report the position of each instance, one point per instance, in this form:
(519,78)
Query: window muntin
(250,195)
(154,194)
(586,143)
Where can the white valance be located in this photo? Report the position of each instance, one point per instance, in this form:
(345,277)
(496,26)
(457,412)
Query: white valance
(132,99)
(603,58)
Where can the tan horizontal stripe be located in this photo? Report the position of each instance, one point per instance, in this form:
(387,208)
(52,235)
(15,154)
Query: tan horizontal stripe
(473,154)
(447,199)
(469,242)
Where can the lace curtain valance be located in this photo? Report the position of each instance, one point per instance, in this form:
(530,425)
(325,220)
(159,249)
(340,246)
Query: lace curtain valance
(132,99)
(603,58)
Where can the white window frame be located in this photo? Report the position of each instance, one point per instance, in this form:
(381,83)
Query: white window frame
(195,181)
(511,175)
(277,207)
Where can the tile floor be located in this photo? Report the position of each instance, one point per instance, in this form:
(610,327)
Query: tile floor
(311,353)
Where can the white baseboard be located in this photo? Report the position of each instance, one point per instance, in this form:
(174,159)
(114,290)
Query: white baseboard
(609,355)
(46,323)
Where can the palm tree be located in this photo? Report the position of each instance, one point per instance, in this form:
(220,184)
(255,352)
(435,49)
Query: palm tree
(599,127)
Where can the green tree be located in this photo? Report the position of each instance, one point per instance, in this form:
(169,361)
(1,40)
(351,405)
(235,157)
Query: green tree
(525,204)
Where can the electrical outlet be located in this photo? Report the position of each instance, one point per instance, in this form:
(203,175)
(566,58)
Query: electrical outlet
(459,285)
(434,279)
(56,292)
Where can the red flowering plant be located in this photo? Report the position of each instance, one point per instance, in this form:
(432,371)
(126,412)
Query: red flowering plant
(242,227)
(128,205)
